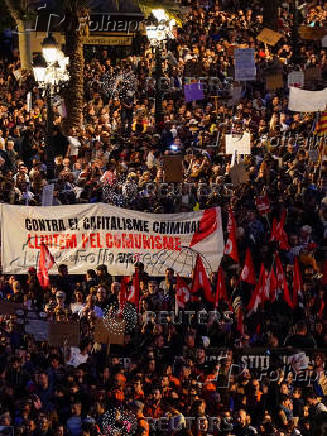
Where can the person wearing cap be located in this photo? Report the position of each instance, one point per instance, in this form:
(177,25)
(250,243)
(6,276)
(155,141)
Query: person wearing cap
(102,276)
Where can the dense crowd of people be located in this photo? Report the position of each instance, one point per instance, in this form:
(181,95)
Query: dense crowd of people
(261,372)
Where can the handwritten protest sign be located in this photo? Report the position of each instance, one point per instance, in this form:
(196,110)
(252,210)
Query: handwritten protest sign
(245,64)
(268,36)
(241,144)
(62,331)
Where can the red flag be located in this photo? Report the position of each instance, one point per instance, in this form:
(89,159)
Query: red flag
(201,281)
(45,263)
(231,244)
(248,273)
(278,233)
(257,296)
(272,285)
(321,309)
(221,293)
(123,293)
(134,295)
(182,292)
(282,282)
(297,281)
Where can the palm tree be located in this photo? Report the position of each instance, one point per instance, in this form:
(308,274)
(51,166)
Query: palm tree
(21,13)
(74,10)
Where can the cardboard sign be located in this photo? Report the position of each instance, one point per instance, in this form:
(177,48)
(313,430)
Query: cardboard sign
(38,329)
(269,37)
(173,169)
(312,73)
(296,78)
(239,174)
(62,331)
(103,335)
(314,33)
(274,81)
(9,308)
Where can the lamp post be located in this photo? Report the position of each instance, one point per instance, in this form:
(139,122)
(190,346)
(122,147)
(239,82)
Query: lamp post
(50,72)
(295,35)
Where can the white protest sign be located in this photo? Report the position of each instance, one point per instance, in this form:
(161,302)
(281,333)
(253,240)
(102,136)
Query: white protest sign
(241,144)
(47,195)
(244,64)
(307,101)
(296,79)
(85,235)
(77,358)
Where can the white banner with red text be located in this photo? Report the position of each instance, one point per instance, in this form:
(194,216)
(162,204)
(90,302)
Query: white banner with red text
(84,236)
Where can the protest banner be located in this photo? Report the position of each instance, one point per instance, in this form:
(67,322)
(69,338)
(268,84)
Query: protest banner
(85,235)
(269,37)
(241,144)
(296,79)
(9,308)
(38,329)
(245,69)
(193,92)
(62,332)
(274,81)
(307,101)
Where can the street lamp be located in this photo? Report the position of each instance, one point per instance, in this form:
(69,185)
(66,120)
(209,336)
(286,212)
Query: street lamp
(50,73)
(296,58)
(158,32)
